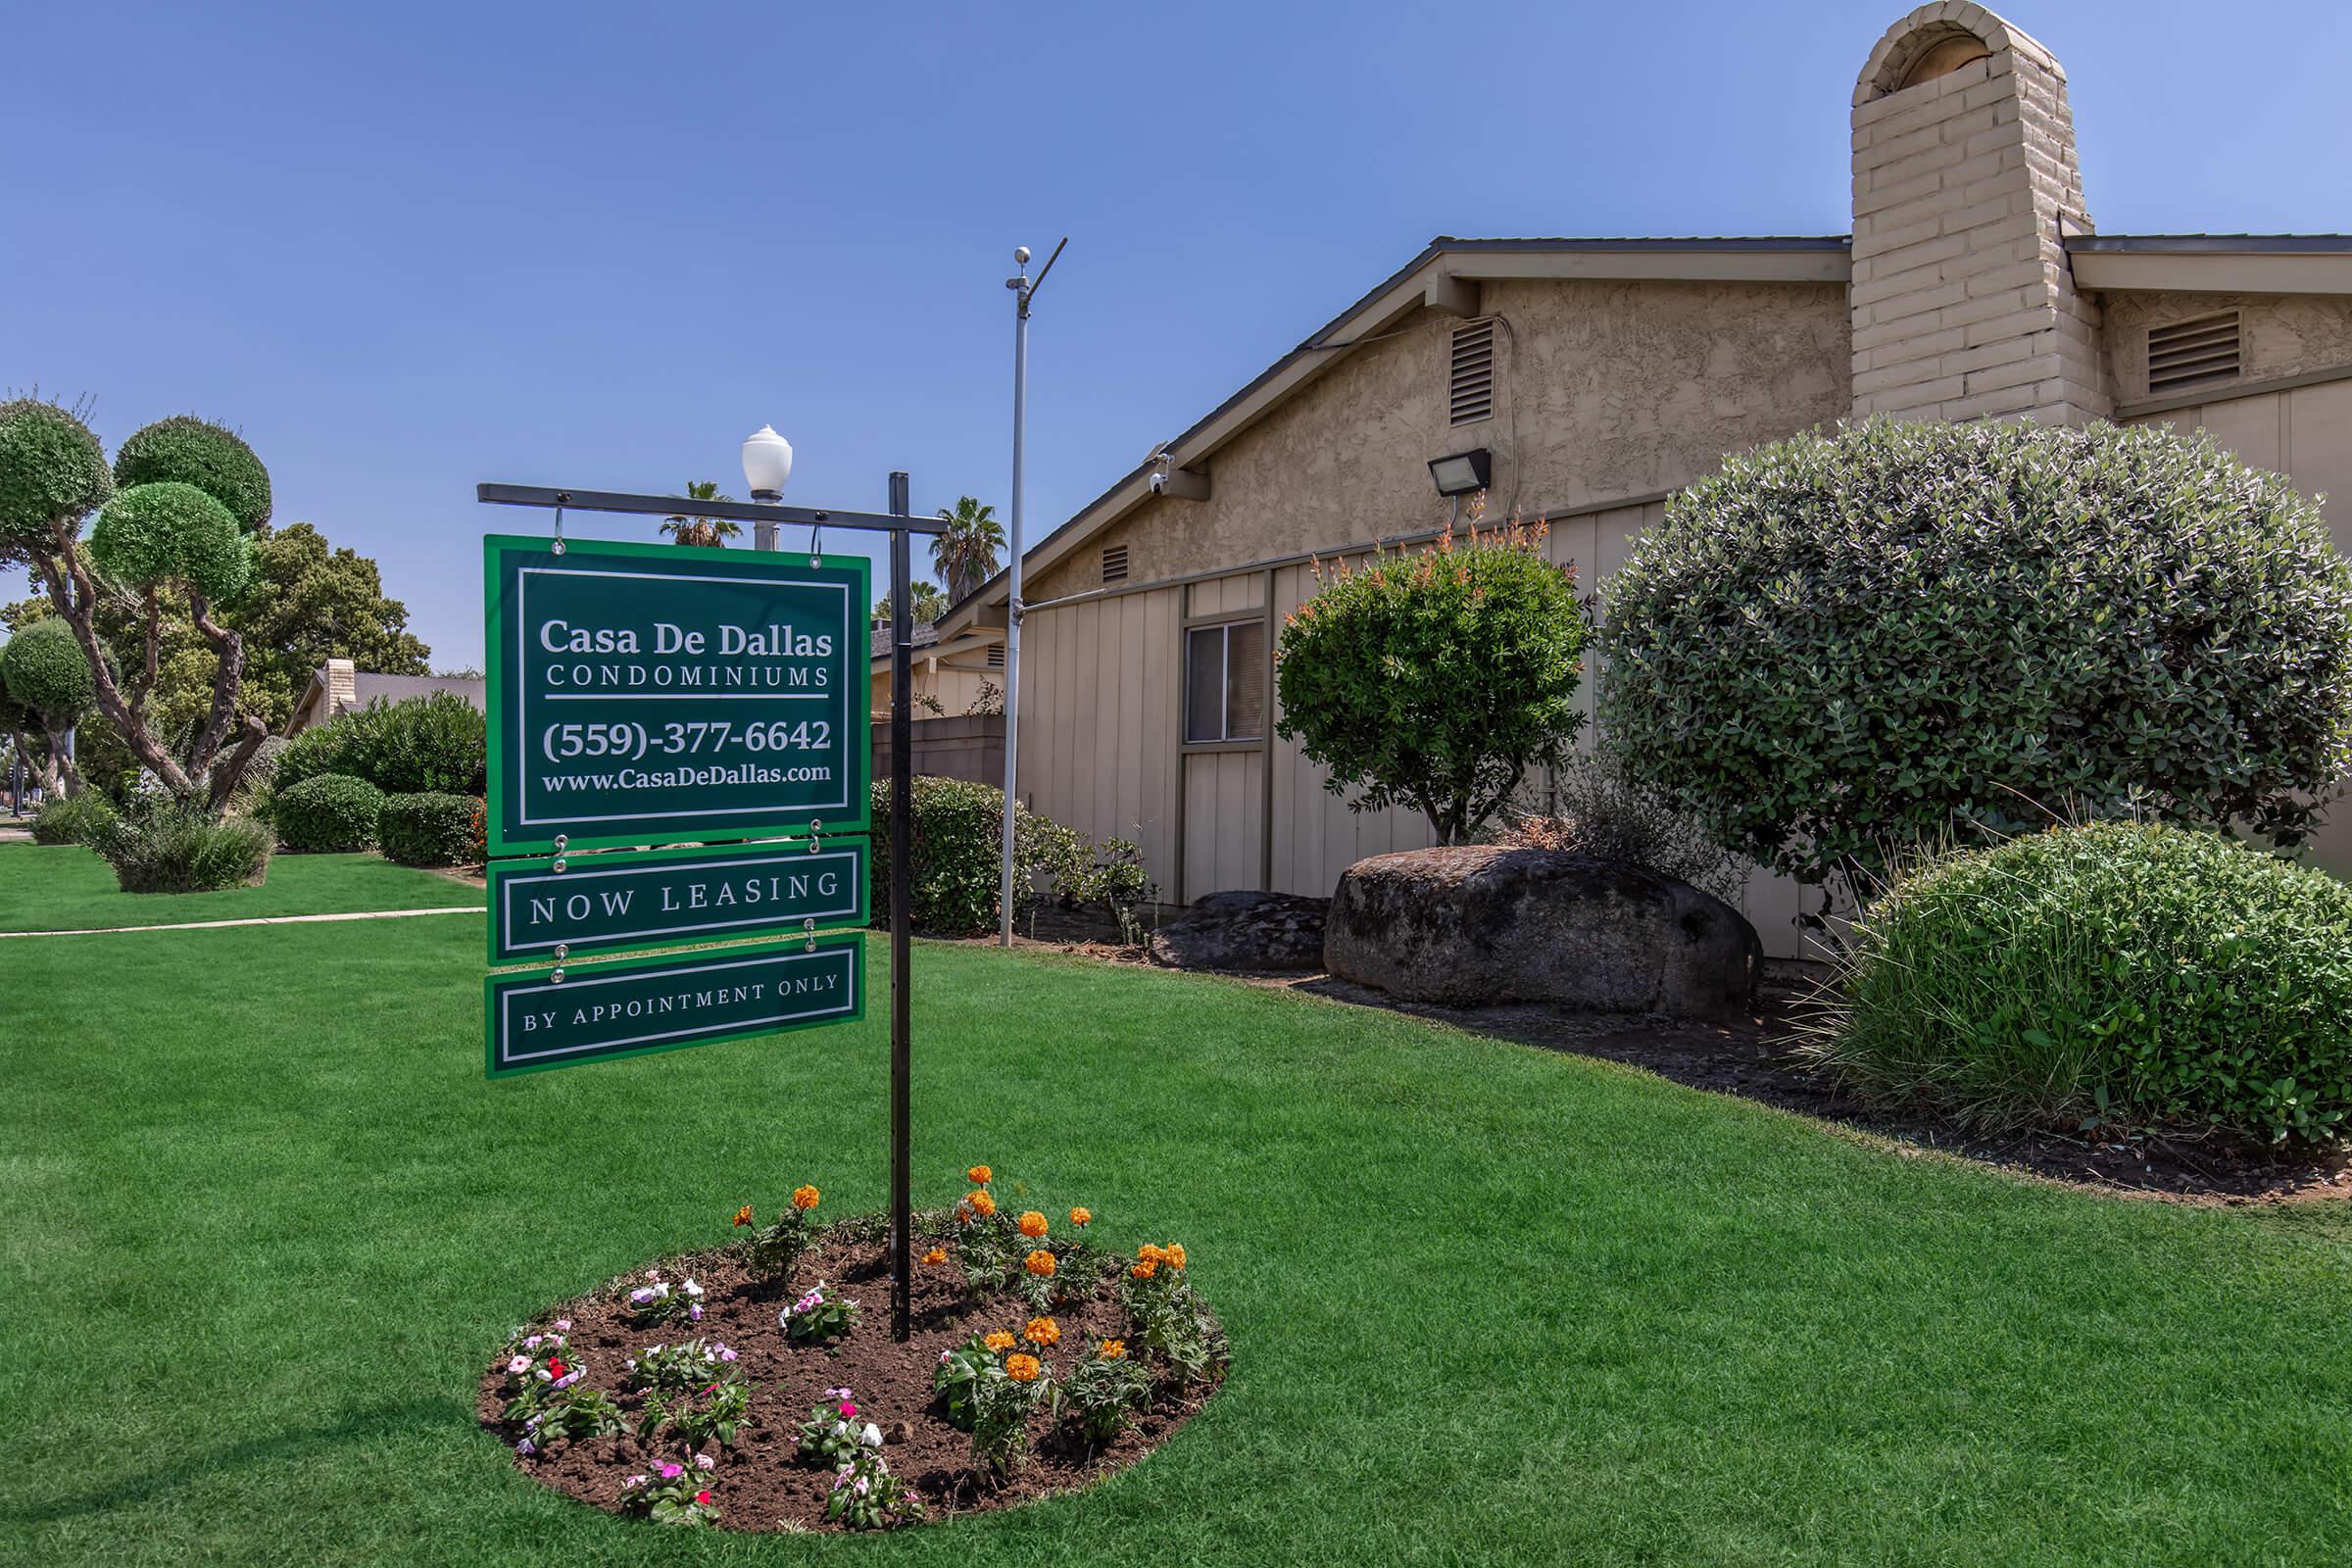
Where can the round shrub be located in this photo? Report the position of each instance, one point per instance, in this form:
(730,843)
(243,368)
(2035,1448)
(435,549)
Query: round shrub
(432,829)
(186,450)
(332,813)
(168,531)
(76,819)
(51,466)
(1843,645)
(2116,973)
(45,670)
(1437,682)
(172,848)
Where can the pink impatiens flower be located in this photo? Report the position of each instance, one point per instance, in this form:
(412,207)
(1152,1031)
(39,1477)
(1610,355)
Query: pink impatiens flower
(672,1472)
(703,1461)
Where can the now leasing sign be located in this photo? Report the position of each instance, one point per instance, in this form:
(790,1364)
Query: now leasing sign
(656,897)
(645,694)
(535,1021)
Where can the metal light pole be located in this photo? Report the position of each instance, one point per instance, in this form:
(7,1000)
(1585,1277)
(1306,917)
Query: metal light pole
(1024,289)
(767,466)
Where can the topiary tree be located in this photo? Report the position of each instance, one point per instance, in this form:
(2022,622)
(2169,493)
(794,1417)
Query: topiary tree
(174,532)
(44,674)
(1844,645)
(1439,679)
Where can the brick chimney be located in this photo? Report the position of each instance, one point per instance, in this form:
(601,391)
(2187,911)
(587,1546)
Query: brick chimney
(1965,186)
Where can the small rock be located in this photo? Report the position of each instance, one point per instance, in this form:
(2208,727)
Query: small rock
(895,1432)
(1244,930)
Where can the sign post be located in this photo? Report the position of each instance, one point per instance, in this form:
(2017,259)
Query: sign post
(643,696)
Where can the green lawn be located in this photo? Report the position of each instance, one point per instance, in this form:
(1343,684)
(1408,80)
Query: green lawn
(264,1221)
(65,887)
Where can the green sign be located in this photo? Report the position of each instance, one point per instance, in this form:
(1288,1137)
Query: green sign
(630,1009)
(645,694)
(657,898)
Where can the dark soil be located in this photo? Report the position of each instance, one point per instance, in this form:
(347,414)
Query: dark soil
(762,1483)
(1757,1059)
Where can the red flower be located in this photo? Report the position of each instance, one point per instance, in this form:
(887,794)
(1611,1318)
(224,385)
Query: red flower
(555,1368)
(703,1498)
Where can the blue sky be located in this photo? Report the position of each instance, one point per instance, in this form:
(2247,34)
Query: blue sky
(408,248)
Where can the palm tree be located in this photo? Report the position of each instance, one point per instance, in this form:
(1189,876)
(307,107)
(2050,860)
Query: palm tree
(712,531)
(966,556)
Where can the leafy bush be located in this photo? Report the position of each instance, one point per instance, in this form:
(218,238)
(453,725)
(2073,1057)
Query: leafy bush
(959,828)
(76,819)
(47,673)
(427,829)
(427,745)
(1437,680)
(331,813)
(2116,973)
(1844,645)
(186,450)
(1597,809)
(163,846)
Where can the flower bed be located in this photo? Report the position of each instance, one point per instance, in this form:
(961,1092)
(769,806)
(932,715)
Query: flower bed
(756,1387)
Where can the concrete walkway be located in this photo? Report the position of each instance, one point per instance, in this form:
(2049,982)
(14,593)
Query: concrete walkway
(262,919)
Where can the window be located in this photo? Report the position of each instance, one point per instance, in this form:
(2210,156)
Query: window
(1225,682)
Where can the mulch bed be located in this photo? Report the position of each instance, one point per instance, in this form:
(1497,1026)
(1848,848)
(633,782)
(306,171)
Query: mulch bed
(762,1483)
(1757,1059)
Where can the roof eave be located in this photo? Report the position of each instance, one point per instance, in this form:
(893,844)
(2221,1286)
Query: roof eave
(2213,263)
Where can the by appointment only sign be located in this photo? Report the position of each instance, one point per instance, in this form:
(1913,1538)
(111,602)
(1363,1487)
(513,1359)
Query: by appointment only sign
(647,694)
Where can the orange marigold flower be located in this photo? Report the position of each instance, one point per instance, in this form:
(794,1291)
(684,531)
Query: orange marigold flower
(1144,1270)
(1081,1216)
(1041,1330)
(980,1175)
(1114,1350)
(1033,1224)
(803,1197)
(1040,1263)
(1021,1368)
(982,1204)
(999,1340)
(1151,1252)
(742,1215)
(1176,1253)
(936,1257)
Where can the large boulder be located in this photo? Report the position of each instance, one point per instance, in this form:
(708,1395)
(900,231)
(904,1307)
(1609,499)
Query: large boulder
(1482,923)
(1245,931)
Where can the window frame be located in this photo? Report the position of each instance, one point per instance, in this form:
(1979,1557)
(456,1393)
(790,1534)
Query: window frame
(1226,742)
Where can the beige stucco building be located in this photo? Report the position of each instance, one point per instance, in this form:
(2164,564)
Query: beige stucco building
(1599,375)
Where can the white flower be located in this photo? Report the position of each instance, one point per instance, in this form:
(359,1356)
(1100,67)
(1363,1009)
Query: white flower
(531,1343)
(633,1483)
(703,1461)
(693,1288)
(519,1366)
(544,1375)
(871,1437)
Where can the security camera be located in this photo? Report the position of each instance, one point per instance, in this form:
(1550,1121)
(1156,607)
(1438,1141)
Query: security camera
(1159,482)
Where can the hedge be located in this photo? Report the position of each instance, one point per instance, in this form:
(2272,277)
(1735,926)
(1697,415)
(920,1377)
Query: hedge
(170,847)
(429,829)
(427,745)
(74,819)
(331,813)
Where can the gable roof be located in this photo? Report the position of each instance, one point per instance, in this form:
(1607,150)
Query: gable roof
(1434,279)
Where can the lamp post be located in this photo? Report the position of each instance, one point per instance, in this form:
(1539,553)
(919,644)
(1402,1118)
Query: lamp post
(1024,289)
(766,467)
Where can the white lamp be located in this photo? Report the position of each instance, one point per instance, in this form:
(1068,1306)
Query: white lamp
(767,462)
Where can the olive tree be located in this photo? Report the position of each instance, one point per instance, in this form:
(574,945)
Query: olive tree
(1438,679)
(1847,645)
(175,517)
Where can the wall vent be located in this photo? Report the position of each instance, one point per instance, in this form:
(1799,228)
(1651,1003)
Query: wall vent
(1114,563)
(995,656)
(2197,352)
(1472,388)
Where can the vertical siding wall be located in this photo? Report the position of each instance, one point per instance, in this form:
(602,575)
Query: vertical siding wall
(1102,742)
(2305,433)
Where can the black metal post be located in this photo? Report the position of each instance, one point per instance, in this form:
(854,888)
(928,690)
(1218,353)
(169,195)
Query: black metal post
(902,884)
